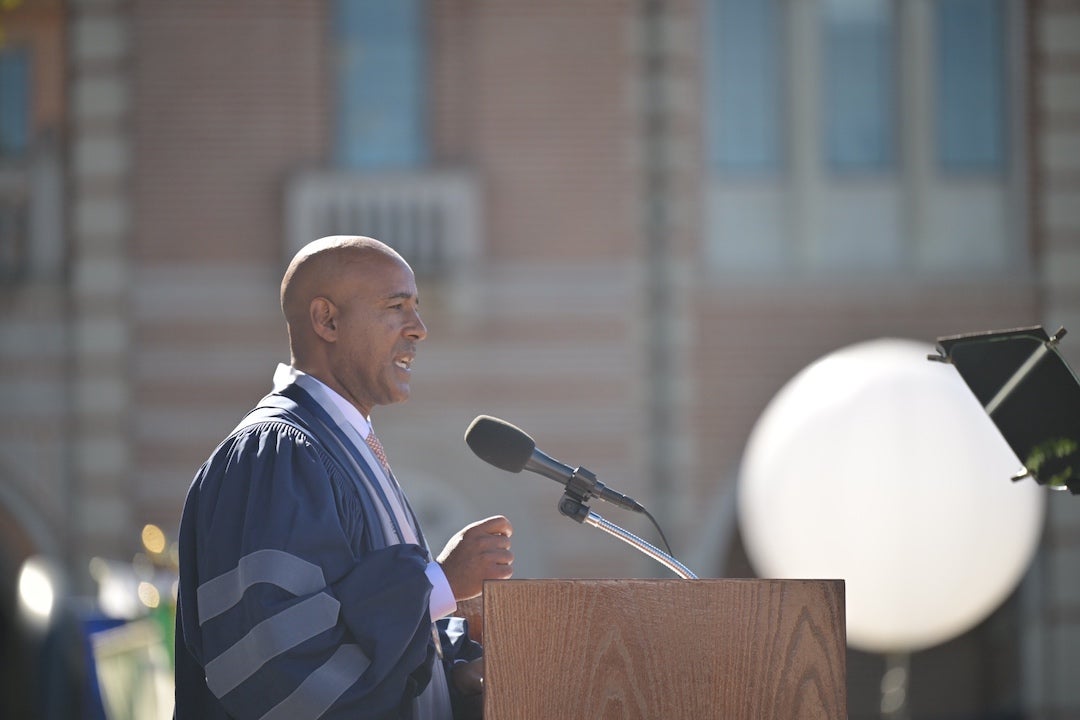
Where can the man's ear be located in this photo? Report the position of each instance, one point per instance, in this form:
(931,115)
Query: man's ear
(323,315)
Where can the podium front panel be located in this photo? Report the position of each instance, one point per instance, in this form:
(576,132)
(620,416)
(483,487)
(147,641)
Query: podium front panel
(670,649)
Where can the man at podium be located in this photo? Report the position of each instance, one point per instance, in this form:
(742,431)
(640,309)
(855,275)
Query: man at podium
(307,589)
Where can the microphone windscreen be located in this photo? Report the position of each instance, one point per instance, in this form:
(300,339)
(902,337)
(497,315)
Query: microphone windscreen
(499,443)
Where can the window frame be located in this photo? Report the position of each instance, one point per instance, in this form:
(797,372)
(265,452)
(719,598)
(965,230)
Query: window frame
(805,220)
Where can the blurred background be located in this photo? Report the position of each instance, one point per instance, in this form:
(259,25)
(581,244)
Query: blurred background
(632,223)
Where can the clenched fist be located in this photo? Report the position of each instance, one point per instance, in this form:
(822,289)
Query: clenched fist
(479,552)
(468,677)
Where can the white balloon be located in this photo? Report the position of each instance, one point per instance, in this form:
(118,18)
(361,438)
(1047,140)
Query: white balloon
(879,467)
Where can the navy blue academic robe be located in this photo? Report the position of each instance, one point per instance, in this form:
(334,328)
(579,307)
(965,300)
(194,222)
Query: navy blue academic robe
(292,604)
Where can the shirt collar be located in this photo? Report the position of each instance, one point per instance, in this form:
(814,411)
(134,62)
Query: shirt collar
(286,375)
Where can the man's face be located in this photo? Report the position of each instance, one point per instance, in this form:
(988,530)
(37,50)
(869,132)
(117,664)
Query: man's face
(378,326)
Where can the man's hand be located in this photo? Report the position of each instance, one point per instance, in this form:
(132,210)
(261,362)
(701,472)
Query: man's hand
(468,677)
(479,552)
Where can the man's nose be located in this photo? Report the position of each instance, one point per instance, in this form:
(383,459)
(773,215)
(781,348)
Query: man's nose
(417,329)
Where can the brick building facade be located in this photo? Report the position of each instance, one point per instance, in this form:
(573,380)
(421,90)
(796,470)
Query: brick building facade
(573,284)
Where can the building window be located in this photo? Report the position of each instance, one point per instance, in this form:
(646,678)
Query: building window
(14,102)
(745,108)
(970,85)
(858,84)
(860,135)
(381,84)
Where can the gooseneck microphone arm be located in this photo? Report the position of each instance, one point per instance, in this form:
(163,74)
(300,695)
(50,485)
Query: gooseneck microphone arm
(509,448)
(574,508)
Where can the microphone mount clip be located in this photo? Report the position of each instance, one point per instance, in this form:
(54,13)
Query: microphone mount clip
(573,507)
(579,488)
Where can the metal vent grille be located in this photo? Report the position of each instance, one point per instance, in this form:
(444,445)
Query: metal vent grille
(431,218)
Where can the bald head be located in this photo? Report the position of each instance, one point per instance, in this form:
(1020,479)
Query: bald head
(318,270)
(353,314)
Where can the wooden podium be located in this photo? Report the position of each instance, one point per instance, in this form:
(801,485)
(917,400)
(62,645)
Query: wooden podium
(664,649)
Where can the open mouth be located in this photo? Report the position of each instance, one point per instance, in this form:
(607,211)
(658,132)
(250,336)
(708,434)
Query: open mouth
(405,363)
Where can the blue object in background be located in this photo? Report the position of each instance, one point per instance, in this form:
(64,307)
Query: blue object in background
(381,84)
(970,44)
(860,85)
(14,102)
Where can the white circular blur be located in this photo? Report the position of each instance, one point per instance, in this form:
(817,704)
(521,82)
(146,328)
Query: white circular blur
(37,591)
(879,467)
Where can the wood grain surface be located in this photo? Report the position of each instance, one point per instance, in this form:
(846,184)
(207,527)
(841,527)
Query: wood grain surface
(665,649)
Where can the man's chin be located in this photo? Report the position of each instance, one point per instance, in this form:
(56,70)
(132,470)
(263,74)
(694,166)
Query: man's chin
(400,395)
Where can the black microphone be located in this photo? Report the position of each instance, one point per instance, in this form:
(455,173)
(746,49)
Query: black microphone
(510,448)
